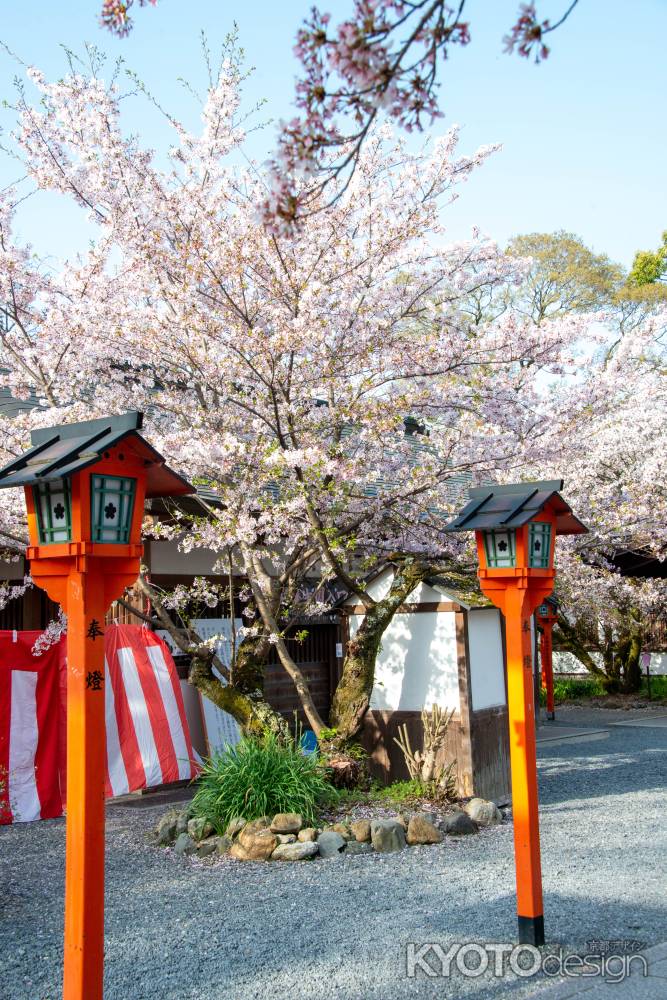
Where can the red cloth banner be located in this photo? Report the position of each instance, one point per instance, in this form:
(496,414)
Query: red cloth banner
(148,740)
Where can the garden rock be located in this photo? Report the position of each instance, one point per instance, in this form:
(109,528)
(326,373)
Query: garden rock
(200,828)
(285,838)
(355,847)
(256,845)
(308,834)
(330,844)
(165,831)
(387,835)
(459,825)
(286,823)
(207,846)
(182,822)
(185,844)
(483,812)
(361,829)
(422,831)
(223,844)
(298,851)
(235,826)
(343,829)
(256,825)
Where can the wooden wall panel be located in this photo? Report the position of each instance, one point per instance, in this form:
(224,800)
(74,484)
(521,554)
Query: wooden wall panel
(465,761)
(387,763)
(490,754)
(488,750)
(281,694)
(33,611)
(316,658)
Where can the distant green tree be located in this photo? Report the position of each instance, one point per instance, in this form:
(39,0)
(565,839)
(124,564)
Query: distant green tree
(564,276)
(650,267)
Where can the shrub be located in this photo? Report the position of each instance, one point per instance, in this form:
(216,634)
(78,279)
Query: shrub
(260,777)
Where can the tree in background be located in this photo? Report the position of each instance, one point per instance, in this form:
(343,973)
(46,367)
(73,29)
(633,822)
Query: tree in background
(650,267)
(564,276)
(615,464)
(610,424)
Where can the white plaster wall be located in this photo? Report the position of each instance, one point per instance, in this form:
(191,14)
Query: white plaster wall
(165,557)
(487,669)
(417,665)
(658,664)
(379,588)
(567,663)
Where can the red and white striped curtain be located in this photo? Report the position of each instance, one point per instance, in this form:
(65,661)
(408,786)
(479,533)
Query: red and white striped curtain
(148,741)
(31,729)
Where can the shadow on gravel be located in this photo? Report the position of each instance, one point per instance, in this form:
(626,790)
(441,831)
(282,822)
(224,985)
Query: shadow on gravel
(589,770)
(364,959)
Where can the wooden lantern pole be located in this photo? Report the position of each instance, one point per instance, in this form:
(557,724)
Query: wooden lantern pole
(517,593)
(85,550)
(86,759)
(523,761)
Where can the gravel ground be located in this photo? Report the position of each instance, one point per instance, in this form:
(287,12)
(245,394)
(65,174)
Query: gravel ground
(189,930)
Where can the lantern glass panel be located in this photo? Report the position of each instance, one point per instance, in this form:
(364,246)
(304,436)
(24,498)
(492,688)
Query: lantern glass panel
(112,504)
(539,545)
(54,511)
(500,549)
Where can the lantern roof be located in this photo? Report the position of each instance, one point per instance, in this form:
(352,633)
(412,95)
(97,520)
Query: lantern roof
(59,452)
(506,507)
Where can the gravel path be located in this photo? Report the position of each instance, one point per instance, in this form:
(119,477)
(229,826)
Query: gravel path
(185,930)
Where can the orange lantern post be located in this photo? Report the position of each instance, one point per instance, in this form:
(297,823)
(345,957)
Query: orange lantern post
(515,527)
(547,616)
(85,486)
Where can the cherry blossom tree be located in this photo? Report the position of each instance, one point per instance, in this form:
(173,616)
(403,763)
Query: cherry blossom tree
(613,456)
(323,386)
(608,442)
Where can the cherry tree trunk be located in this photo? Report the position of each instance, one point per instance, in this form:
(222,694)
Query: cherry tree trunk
(242,698)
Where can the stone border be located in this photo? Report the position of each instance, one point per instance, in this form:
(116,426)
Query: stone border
(285,837)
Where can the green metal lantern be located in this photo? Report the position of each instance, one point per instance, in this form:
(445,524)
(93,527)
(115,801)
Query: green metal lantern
(539,545)
(500,546)
(53,505)
(111,508)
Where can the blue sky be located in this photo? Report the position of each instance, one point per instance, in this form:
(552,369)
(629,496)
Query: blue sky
(584,143)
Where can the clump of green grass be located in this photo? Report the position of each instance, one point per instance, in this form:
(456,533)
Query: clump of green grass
(261,777)
(398,793)
(405,791)
(658,687)
(572,689)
